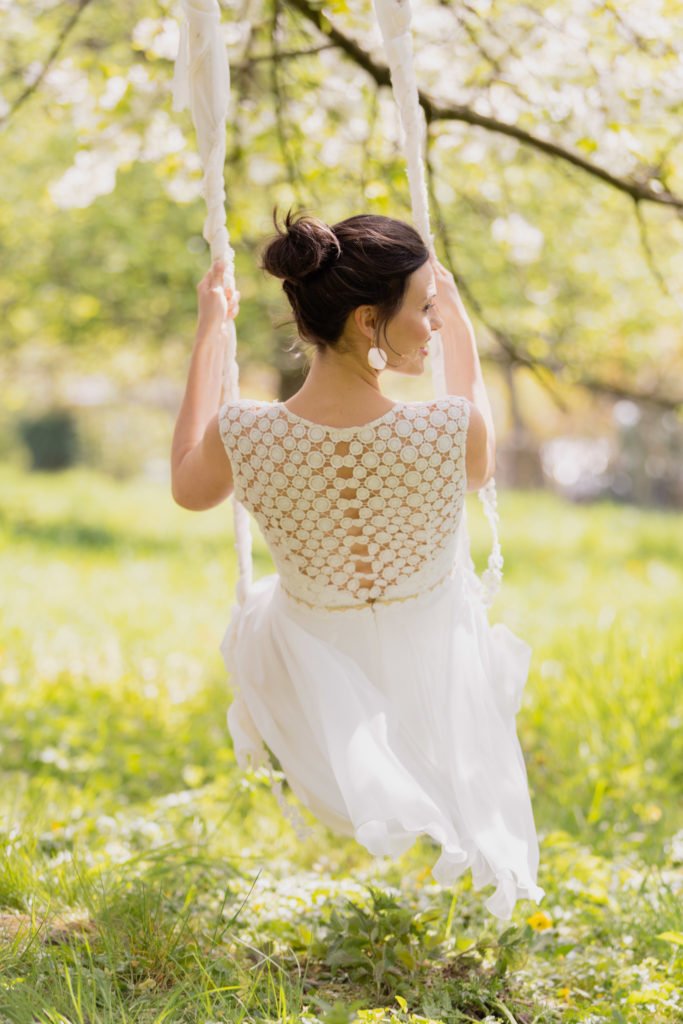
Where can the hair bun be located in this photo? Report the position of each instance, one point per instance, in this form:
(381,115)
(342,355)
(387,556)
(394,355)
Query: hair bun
(305,246)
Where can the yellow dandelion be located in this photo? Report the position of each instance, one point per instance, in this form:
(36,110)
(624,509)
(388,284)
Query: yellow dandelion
(539,921)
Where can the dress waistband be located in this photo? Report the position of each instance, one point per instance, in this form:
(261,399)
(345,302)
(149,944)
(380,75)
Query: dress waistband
(365,604)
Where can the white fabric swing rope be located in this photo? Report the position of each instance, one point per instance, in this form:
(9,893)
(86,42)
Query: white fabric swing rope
(394,18)
(201,81)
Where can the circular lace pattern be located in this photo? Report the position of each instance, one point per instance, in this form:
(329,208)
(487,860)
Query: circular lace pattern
(352,514)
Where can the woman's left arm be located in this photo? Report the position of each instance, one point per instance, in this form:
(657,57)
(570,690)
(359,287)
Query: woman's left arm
(201,474)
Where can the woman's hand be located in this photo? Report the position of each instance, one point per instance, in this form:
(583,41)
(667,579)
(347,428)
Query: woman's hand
(216,303)
(448,297)
(447,293)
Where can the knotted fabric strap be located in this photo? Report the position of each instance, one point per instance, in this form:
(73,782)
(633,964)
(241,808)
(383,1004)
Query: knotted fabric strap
(201,82)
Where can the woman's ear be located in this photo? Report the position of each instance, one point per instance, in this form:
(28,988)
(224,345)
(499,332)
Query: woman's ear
(365,319)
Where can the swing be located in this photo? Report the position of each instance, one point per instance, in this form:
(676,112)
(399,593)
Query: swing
(202,83)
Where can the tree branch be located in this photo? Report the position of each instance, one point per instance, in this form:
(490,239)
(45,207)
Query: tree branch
(650,396)
(68,27)
(293,175)
(648,189)
(650,258)
(548,372)
(512,350)
(281,56)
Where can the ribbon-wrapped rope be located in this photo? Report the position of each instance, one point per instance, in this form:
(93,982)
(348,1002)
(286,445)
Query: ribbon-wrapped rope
(201,81)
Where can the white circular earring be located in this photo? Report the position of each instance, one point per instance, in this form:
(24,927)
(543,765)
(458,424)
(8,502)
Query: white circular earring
(377,358)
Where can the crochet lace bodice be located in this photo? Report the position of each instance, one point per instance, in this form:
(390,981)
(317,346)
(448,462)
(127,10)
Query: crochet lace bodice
(352,514)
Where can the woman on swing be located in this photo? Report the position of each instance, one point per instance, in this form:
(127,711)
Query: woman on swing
(366,663)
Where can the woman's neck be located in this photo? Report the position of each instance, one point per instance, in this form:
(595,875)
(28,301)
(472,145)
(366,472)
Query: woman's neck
(340,380)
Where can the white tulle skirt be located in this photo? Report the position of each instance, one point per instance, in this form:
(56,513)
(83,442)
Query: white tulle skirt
(393,721)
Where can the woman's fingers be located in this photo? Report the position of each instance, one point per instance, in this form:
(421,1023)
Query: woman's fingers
(214,275)
(213,282)
(439,269)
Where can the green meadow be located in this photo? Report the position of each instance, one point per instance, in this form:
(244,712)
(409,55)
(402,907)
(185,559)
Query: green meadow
(145,879)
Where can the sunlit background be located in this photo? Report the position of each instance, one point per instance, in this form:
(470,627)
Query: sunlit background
(172,887)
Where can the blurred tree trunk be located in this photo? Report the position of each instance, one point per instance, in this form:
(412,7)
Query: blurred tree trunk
(518,458)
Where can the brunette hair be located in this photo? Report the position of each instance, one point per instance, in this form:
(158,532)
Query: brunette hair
(328,271)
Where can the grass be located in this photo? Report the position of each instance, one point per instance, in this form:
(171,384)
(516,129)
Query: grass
(145,879)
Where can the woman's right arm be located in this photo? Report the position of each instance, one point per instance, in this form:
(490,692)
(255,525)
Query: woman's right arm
(464,377)
(201,473)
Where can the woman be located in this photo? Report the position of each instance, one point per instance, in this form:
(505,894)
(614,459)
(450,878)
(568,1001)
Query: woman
(366,663)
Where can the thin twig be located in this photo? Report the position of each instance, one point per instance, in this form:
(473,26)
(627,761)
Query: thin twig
(650,258)
(51,58)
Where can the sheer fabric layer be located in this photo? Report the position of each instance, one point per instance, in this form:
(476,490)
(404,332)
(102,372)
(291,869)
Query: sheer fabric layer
(394,720)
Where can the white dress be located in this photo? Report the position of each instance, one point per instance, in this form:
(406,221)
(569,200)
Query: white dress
(366,663)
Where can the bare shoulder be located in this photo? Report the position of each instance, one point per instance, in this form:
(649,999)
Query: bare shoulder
(476,430)
(213,442)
